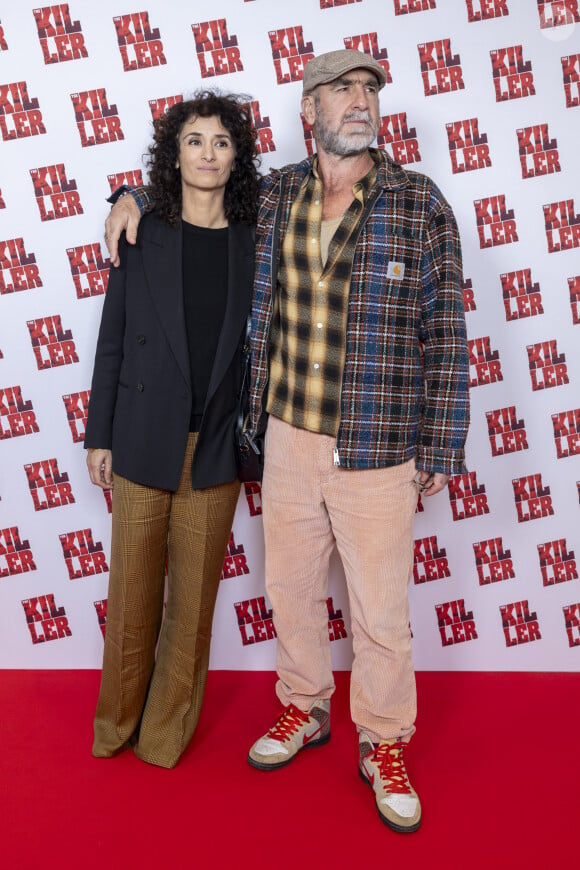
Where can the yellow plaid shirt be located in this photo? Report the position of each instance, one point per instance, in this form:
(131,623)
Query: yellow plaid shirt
(309,326)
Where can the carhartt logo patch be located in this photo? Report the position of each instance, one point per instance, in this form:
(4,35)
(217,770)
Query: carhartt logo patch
(395,270)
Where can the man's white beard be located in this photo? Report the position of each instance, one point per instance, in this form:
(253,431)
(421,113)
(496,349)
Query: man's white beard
(343,144)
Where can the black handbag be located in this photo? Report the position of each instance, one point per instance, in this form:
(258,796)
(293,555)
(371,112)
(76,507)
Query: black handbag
(249,450)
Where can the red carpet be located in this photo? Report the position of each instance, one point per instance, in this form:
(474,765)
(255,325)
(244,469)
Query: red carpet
(495,761)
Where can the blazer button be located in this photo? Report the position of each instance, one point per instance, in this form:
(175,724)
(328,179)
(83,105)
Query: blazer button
(141,339)
(140,387)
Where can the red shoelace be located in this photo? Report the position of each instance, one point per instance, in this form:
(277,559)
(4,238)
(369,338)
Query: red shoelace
(291,720)
(389,757)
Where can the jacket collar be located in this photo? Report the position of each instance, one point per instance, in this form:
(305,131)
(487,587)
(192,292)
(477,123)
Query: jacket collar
(389,175)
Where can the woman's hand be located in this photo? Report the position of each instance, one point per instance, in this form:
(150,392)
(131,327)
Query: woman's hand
(100,465)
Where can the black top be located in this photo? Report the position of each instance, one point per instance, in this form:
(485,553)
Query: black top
(205,283)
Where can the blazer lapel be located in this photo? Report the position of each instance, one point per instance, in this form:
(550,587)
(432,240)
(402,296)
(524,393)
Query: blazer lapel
(162,259)
(240,280)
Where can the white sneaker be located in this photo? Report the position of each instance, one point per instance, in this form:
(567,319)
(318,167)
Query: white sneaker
(382,766)
(293,731)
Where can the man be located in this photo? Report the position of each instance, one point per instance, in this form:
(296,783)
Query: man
(360,361)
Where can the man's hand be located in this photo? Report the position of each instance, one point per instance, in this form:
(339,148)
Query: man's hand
(124,215)
(100,465)
(431,482)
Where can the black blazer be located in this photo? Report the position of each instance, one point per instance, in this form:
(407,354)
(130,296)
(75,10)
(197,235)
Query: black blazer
(141,390)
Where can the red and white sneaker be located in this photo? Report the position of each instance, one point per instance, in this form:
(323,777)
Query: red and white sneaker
(382,766)
(293,731)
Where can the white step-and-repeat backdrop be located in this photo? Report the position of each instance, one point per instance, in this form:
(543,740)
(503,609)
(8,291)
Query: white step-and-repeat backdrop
(484,96)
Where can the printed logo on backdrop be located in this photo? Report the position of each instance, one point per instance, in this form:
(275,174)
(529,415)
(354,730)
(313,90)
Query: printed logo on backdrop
(484,363)
(493,563)
(468,148)
(538,153)
(159,108)
(547,367)
(82,555)
(60,38)
(574,287)
(90,272)
(521,294)
(556,13)
(330,4)
(403,7)
(254,621)
(369,44)
(17,417)
(97,122)
(256,625)
(495,222)
(440,68)
(336,626)
(456,625)
(56,196)
(572,623)
(20,116)
(45,620)
(567,433)
(53,345)
(571,79)
(519,625)
(394,131)
(77,411)
(506,433)
(308,135)
(140,46)
(290,53)
(2,203)
(15,555)
(430,560)
(132,178)
(235,563)
(3,43)
(532,499)
(217,52)
(512,75)
(49,487)
(101,610)
(253,493)
(467,497)
(562,226)
(262,126)
(18,270)
(556,563)
(468,296)
(483,10)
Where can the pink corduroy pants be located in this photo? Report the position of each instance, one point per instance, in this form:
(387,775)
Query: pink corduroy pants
(309,505)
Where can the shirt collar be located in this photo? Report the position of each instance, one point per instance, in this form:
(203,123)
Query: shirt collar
(360,188)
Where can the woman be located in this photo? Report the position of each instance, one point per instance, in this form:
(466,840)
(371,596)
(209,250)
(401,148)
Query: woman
(161,419)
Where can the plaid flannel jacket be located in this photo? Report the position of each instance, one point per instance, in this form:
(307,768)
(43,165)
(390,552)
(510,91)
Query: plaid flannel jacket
(405,386)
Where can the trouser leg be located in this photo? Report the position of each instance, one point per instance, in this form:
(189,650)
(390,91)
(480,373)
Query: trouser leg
(298,542)
(199,529)
(372,514)
(134,611)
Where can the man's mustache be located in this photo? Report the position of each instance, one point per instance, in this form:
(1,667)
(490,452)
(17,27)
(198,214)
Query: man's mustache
(358,116)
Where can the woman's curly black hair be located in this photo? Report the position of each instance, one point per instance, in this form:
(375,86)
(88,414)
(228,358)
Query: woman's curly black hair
(241,191)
